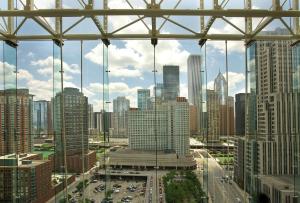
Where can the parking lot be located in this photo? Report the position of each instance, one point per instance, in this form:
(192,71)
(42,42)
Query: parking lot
(121,191)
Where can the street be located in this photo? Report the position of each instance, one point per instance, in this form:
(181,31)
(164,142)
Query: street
(219,189)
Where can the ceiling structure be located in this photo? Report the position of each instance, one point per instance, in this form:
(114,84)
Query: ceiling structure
(152,12)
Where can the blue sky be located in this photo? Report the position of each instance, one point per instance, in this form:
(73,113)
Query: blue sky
(130,61)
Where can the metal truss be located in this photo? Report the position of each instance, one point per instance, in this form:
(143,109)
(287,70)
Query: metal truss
(152,11)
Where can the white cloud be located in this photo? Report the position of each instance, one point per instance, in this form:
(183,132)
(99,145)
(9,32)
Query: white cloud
(136,57)
(94,90)
(45,67)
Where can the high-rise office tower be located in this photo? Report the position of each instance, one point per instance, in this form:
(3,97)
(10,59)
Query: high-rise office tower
(227,117)
(221,88)
(166,129)
(71,131)
(220,110)
(143,99)
(75,118)
(213,116)
(42,118)
(195,86)
(240,105)
(171,82)
(120,107)
(15,121)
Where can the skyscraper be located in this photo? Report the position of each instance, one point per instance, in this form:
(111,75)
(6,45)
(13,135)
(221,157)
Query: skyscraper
(171,82)
(42,118)
(143,97)
(75,118)
(273,124)
(195,86)
(221,88)
(240,105)
(71,126)
(213,116)
(120,107)
(220,110)
(15,121)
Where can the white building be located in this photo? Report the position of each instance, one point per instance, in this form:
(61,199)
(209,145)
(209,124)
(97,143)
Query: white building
(166,129)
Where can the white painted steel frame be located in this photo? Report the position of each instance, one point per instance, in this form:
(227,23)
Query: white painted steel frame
(153,11)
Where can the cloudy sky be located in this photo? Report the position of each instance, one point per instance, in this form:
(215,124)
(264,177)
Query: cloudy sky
(130,61)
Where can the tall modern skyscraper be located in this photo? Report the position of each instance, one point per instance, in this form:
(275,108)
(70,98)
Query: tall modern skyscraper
(271,144)
(240,105)
(221,88)
(42,118)
(171,82)
(120,107)
(75,117)
(16,107)
(220,110)
(213,116)
(143,99)
(195,86)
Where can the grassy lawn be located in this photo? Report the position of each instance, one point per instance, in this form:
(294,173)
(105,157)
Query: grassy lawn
(225,160)
(44,153)
(182,187)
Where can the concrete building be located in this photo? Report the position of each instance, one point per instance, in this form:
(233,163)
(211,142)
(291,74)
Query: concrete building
(213,116)
(25,178)
(143,99)
(42,118)
(73,125)
(119,121)
(16,121)
(195,86)
(171,82)
(74,120)
(167,129)
(272,122)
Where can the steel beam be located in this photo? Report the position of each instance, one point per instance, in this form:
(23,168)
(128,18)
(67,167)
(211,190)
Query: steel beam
(152,12)
(296,25)
(232,37)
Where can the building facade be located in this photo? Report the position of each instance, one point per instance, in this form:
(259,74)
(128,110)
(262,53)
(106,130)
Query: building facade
(240,105)
(42,118)
(166,129)
(25,178)
(272,118)
(119,117)
(195,86)
(171,82)
(16,107)
(143,99)
(71,130)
